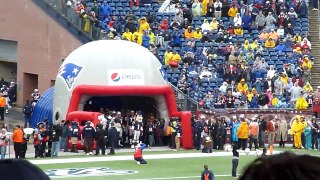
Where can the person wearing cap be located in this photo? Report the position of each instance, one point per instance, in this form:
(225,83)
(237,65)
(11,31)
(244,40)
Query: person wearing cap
(264,35)
(270,43)
(242,86)
(243,133)
(207,174)
(253,133)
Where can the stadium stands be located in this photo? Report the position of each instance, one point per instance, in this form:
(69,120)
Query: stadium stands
(256,49)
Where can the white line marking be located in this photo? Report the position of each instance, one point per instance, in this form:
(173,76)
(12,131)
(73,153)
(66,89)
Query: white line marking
(130,157)
(186,177)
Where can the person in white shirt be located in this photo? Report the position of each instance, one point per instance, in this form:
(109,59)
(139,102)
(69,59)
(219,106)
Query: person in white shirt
(205,74)
(271,72)
(280,31)
(217,9)
(237,19)
(295,92)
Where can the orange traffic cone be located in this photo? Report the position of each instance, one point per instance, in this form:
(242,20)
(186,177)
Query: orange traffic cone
(271,150)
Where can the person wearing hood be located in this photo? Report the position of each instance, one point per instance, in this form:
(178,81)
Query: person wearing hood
(197,34)
(260,20)
(205,6)
(205,25)
(237,19)
(247,21)
(74,133)
(232,12)
(143,25)
(188,33)
(271,72)
(223,88)
(278,87)
(127,35)
(270,22)
(274,100)
(282,104)
(205,39)
(243,133)
(303,9)
(213,24)
(164,25)
(274,35)
(281,47)
(270,43)
(307,87)
(264,35)
(301,103)
(306,63)
(238,30)
(242,86)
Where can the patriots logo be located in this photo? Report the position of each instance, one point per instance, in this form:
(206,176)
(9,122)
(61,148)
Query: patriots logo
(69,72)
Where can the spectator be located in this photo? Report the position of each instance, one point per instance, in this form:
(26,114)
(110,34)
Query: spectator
(274,101)
(243,133)
(260,21)
(164,25)
(232,13)
(273,35)
(205,25)
(264,35)
(197,34)
(188,33)
(315,5)
(105,9)
(237,20)
(270,43)
(217,9)
(56,135)
(301,103)
(127,35)
(281,47)
(238,30)
(143,25)
(197,8)
(145,40)
(270,22)
(247,21)
(214,24)
(4,140)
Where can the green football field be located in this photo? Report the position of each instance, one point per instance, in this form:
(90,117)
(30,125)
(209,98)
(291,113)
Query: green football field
(158,169)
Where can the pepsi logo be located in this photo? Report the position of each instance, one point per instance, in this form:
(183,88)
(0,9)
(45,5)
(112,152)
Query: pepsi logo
(115,77)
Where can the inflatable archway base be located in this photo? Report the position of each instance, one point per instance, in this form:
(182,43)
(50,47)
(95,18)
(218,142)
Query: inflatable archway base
(98,90)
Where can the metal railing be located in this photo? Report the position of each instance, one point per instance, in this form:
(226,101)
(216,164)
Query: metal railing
(82,23)
(184,101)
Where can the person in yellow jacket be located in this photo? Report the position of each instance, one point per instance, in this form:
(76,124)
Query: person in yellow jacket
(242,86)
(176,57)
(143,25)
(296,130)
(274,100)
(238,30)
(137,37)
(270,43)
(213,24)
(127,35)
(197,34)
(243,133)
(306,63)
(307,87)
(167,56)
(233,11)
(204,6)
(301,103)
(284,79)
(250,94)
(152,37)
(188,33)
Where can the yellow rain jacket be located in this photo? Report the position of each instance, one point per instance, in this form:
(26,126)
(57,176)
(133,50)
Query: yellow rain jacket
(233,12)
(269,43)
(143,25)
(243,131)
(242,87)
(127,36)
(213,24)
(306,63)
(167,57)
(137,35)
(197,35)
(301,103)
(188,34)
(274,101)
(307,87)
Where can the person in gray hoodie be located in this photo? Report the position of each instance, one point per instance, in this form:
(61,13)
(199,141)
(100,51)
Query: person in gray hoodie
(260,21)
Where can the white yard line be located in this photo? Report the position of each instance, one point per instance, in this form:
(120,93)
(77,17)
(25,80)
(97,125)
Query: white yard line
(186,177)
(130,157)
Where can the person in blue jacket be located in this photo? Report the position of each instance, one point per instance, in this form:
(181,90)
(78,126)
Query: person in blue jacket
(105,10)
(145,39)
(207,174)
(254,102)
(88,135)
(235,128)
(308,135)
(281,47)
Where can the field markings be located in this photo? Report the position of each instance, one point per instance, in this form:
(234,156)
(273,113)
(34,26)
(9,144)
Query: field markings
(186,177)
(130,157)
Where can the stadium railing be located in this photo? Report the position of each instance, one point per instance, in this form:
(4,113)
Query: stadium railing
(184,101)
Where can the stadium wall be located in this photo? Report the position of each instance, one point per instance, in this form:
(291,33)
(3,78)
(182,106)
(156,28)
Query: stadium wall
(42,44)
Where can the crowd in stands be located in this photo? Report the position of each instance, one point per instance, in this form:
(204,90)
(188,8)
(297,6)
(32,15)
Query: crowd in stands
(223,54)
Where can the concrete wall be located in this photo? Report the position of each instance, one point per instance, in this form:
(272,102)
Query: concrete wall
(42,43)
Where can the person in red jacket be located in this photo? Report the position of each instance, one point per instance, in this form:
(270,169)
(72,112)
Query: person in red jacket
(316,107)
(138,153)
(37,140)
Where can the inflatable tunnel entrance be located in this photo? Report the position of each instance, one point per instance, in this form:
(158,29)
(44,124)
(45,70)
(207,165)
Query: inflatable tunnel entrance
(161,97)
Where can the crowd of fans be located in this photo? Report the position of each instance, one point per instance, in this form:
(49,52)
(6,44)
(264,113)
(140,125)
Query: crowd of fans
(245,54)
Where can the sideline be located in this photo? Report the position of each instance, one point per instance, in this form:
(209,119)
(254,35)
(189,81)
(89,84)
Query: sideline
(186,177)
(130,157)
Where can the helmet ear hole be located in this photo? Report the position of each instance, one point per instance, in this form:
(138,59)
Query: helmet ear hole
(57,116)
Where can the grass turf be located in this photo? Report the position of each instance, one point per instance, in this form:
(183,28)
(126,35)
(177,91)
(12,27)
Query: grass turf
(166,168)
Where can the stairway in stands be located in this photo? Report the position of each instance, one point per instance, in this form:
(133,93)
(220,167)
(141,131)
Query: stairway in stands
(315,45)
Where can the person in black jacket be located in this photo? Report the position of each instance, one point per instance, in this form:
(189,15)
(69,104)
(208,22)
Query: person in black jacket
(198,128)
(262,131)
(221,132)
(88,135)
(113,137)
(315,132)
(74,133)
(263,100)
(101,135)
(64,135)
(55,134)
(27,111)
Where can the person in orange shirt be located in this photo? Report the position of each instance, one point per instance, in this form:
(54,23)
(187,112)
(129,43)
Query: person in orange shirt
(17,139)
(264,35)
(3,103)
(253,133)
(273,35)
